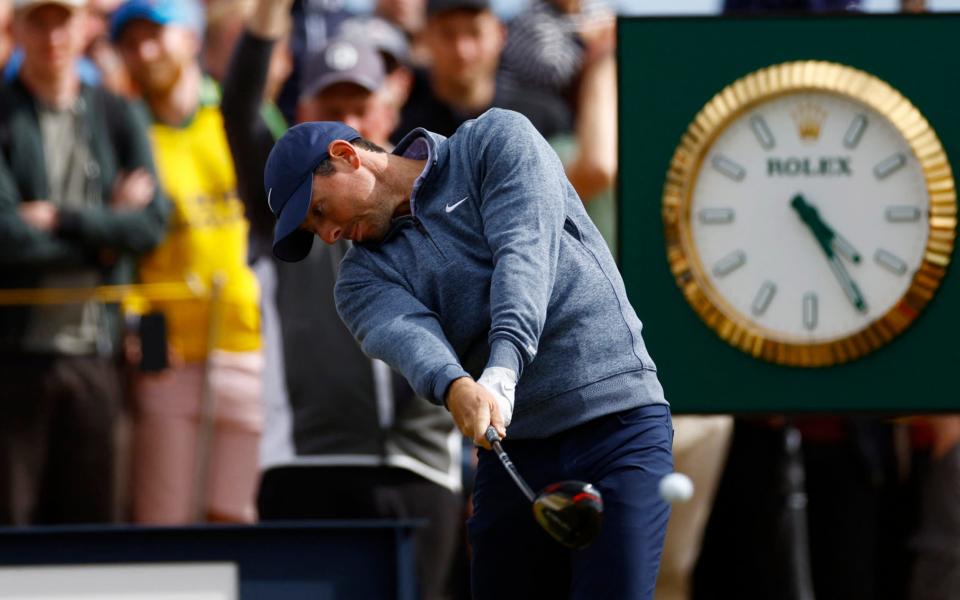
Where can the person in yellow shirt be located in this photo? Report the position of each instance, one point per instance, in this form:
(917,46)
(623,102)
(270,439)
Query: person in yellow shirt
(216,352)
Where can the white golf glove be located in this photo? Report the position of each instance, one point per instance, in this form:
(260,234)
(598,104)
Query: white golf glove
(502,383)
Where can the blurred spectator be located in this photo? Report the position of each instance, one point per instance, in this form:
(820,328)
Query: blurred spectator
(101,53)
(552,40)
(593,167)
(936,568)
(315,22)
(785,6)
(217,362)
(6,31)
(856,521)
(98,64)
(345,84)
(700,446)
(563,49)
(77,194)
(464,39)
(344,436)
(224,24)
(382,35)
(396,54)
(409,16)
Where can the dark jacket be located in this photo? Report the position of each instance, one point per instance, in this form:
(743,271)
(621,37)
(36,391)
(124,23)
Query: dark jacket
(100,238)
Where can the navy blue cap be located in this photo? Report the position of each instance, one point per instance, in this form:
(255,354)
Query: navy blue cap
(288,180)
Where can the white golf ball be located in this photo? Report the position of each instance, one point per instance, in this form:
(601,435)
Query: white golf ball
(676,487)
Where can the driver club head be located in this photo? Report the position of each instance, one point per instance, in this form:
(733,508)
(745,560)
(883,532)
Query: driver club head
(570,511)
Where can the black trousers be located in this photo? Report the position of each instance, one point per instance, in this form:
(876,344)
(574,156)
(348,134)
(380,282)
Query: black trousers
(856,514)
(58,418)
(936,569)
(307,492)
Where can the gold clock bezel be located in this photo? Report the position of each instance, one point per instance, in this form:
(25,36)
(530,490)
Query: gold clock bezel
(728,105)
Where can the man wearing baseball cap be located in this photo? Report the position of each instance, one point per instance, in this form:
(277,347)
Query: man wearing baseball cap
(159,40)
(182,13)
(79,199)
(476,272)
(335,419)
(345,82)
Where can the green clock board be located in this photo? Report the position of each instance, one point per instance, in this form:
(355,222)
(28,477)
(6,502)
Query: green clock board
(787,209)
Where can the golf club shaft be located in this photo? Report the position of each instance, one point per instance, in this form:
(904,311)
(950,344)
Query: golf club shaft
(494,439)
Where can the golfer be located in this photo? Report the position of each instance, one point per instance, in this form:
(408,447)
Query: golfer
(477,274)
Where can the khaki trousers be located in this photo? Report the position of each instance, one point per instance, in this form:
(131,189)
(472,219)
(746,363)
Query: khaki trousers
(700,452)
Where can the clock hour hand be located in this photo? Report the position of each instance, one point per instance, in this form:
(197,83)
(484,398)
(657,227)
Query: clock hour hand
(823,232)
(825,236)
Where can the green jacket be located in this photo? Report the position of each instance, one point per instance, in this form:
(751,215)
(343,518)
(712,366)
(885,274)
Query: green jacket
(99,237)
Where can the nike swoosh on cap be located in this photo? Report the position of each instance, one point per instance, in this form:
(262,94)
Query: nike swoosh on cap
(269,193)
(452,207)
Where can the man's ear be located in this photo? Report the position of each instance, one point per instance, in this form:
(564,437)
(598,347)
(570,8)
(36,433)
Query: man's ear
(344,150)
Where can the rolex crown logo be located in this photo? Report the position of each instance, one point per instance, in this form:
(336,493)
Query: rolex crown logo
(808,117)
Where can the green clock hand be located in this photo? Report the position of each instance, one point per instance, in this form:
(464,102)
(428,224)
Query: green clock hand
(825,238)
(824,233)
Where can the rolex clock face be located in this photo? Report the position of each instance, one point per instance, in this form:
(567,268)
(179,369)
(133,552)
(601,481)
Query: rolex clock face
(810,213)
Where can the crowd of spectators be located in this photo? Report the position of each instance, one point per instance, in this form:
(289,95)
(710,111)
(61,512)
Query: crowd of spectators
(133,137)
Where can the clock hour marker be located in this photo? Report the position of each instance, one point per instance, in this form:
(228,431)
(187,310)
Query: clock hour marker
(855,132)
(729,263)
(890,262)
(888,165)
(902,214)
(810,310)
(762,300)
(760,129)
(714,216)
(728,167)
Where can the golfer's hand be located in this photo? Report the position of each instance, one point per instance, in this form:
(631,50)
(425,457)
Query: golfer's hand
(473,409)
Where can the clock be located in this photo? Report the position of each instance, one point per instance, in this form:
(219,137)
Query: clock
(809,213)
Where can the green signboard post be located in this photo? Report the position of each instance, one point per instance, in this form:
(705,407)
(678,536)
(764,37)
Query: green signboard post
(804,271)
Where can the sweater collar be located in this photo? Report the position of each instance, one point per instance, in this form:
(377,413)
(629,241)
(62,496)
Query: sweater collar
(420,144)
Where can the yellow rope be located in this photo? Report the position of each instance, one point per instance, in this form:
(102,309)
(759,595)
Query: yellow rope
(106,293)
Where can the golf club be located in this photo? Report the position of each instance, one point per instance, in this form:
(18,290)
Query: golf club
(570,511)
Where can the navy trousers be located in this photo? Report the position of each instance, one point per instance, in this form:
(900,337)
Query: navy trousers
(624,455)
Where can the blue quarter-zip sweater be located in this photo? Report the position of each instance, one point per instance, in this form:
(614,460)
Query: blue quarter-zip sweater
(499,265)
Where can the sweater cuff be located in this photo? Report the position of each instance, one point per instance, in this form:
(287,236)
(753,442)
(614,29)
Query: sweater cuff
(504,354)
(442,381)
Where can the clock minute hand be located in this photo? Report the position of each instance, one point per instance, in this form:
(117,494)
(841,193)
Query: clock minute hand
(842,246)
(825,237)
